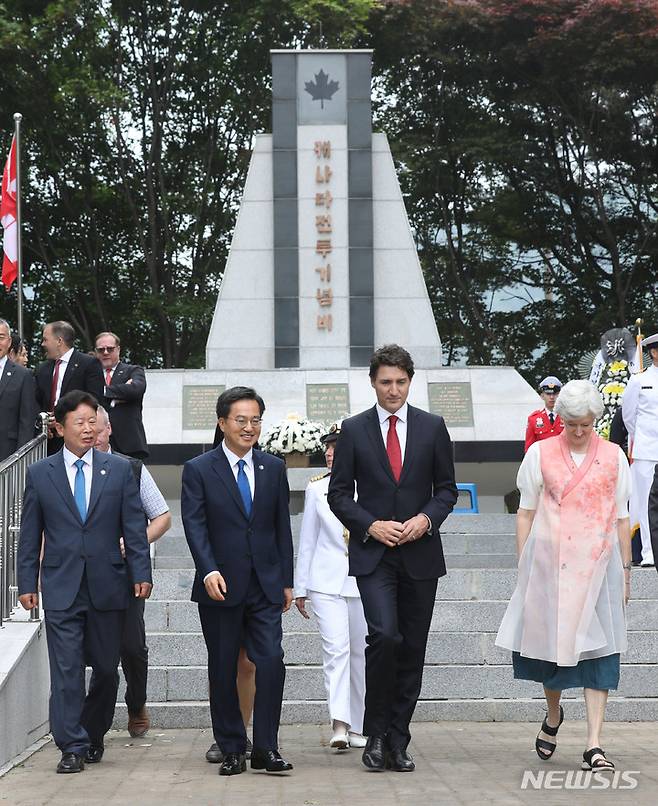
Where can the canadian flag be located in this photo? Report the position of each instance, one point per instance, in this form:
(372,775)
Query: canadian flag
(8,219)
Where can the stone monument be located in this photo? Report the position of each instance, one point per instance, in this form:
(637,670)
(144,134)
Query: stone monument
(322,269)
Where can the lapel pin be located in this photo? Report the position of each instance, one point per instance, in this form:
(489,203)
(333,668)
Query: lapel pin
(260,467)
(9,373)
(102,472)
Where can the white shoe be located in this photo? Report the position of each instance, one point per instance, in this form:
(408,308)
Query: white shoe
(648,563)
(339,741)
(357,740)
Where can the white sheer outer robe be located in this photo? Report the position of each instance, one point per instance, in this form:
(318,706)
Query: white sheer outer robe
(568,604)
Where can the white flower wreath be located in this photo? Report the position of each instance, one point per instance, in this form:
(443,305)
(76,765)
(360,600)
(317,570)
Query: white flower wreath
(293,434)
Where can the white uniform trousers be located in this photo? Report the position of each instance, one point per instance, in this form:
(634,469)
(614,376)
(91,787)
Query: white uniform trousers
(641,480)
(343,631)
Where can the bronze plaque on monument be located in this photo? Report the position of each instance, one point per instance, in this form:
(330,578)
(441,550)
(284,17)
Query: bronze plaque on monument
(327,402)
(199,407)
(453,402)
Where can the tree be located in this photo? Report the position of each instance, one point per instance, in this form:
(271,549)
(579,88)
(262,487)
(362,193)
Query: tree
(138,136)
(525,132)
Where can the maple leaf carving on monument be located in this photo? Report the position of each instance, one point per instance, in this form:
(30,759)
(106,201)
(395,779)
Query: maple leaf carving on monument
(321,89)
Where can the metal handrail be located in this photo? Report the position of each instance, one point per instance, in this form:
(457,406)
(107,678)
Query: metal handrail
(12,486)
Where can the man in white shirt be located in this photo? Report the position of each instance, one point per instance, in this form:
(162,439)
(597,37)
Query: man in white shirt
(134,651)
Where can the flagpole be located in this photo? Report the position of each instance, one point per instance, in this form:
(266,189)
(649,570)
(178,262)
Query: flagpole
(19,249)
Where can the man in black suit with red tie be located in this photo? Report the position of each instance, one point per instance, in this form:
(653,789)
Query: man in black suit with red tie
(125,385)
(64,370)
(400,459)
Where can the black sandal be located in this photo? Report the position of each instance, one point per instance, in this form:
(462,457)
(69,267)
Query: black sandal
(600,763)
(542,744)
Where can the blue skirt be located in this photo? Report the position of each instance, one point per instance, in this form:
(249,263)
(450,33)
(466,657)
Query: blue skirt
(598,673)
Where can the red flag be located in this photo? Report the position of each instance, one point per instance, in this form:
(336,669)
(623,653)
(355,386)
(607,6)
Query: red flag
(8,219)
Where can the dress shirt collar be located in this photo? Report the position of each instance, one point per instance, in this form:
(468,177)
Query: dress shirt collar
(70,458)
(3,363)
(548,413)
(67,356)
(233,458)
(383,415)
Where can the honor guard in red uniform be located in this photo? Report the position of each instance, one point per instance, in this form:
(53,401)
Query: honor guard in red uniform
(543,423)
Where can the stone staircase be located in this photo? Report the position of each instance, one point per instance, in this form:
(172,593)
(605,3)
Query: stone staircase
(466,676)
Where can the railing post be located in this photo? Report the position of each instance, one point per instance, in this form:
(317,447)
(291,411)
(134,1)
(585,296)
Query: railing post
(12,486)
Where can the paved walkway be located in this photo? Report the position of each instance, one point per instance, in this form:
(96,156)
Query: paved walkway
(458,763)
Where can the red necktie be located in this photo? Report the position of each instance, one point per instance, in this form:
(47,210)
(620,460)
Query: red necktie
(53,385)
(393,447)
(108,377)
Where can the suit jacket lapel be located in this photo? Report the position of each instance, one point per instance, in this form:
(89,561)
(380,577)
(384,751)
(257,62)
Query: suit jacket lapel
(375,433)
(225,473)
(60,482)
(118,373)
(99,475)
(6,376)
(259,478)
(408,448)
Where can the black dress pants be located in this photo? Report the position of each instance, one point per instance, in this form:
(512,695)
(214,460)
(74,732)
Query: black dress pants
(398,610)
(77,637)
(255,624)
(134,655)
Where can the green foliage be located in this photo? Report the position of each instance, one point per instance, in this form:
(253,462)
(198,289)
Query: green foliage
(526,134)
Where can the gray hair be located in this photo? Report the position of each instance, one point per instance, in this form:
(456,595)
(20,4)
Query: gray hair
(579,399)
(6,324)
(103,412)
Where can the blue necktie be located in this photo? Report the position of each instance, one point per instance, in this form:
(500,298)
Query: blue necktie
(243,486)
(79,492)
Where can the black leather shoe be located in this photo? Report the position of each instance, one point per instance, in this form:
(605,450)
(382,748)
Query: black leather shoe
(399,761)
(94,754)
(71,762)
(233,764)
(214,755)
(374,754)
(268,760)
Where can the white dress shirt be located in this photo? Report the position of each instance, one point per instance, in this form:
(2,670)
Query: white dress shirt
(71,470)
(233,460)
(3,362)
(62,370)
(400,426)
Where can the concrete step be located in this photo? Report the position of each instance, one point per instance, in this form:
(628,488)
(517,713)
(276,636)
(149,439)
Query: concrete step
(459,583)
(184,683)
(449,616)
(186,714)
(443,648)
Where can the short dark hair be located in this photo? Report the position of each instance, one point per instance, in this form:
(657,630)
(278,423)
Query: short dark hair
(70,402)
(16,341)
(232,395)
(391,355)
(63,330)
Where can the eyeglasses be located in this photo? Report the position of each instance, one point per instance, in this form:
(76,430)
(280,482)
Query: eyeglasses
(105,349)
(256,422)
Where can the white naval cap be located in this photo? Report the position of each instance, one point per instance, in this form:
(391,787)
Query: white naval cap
(650,341)
(550,384)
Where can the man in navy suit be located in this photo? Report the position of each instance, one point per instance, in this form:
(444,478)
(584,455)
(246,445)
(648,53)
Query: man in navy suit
(82,502)
(400,459)
(64,370)
(235,512)
(18,410)
(125,385)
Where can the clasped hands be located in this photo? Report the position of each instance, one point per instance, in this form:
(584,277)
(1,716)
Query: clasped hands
(394,533)
(215,586)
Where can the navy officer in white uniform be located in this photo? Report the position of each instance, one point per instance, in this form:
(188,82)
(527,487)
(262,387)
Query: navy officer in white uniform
(322,577)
